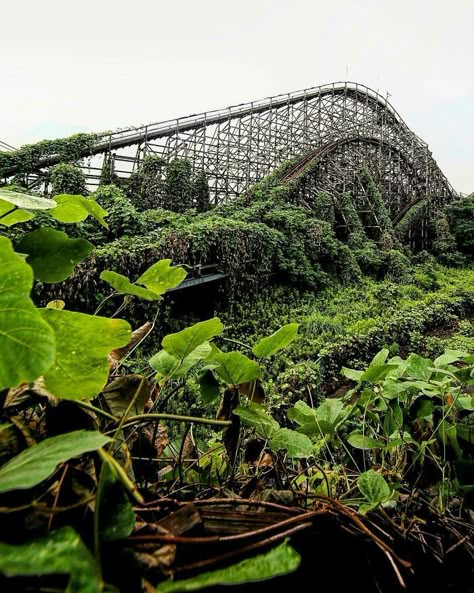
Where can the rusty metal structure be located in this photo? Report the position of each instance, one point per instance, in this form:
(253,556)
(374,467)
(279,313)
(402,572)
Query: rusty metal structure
(340,127)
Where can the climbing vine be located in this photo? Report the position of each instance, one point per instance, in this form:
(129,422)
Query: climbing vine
(66,178)
(411,219)
(377,202)
(67,150)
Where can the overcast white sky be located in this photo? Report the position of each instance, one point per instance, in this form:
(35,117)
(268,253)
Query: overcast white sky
(95,65)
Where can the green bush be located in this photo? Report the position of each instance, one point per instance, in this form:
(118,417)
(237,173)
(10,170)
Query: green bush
(460,215)
(67,179)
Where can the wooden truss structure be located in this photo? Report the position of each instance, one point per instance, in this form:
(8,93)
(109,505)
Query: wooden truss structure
(343,126)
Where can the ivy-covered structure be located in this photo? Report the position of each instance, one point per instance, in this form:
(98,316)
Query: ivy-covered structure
(338,128)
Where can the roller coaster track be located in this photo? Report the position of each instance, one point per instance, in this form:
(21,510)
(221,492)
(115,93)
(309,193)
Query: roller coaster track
(6,147)
(341,126)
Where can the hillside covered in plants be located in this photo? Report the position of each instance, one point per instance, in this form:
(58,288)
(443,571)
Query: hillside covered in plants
(196,395)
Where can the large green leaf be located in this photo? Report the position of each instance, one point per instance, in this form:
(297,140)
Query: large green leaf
(393,420)
(281,560)
(167,365)
(254,415)
(9,215)
(116,517)
(162,276)
(60,552)
(362,441)
(27,343)
(419,367)
(16,207)
(122,284)
(323,419)
(379,358)
(52,254)
(296,444)
(83,343)
(278,340)
(37,463)
(235,368)
(351,374)
(377,372)
(374,488)
(209,387)
(302,413)
(155,281)
(25,201)
(448,357)
(77,208)
(184,342)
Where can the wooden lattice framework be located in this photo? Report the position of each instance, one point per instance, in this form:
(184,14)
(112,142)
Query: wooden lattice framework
(342,125)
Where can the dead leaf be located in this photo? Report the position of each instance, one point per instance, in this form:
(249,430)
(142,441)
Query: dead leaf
(25,392)
(147,587)
(189,447)
(254,391)
(119,393)
(154,555)
(116,355)
(161,438)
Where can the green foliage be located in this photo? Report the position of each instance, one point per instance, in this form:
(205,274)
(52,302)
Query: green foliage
(444,244)
(324,208)
(254,415)
(398,267)
(208,386)
(27,343)
(362,441)
(60,552)
(52,254)
(348,325)
(83,343)
(162,276)
(116,517)
(122,285)
(19,207)
(172,186)
(406,420)
(178,191)
(123,217)
(377,202)
(374,488)
(37,463)
(413,217)
(146,185)
(460,216)
(67,179)
(159,277)
(295,444)
(278,340)
(351,218)
(318,421)
(66,150)
(234,368)
(181,344)
(279,561)
(168,366)
(76,208)
(201,194)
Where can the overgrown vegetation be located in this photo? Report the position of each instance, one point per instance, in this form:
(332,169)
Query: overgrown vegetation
(332,388)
